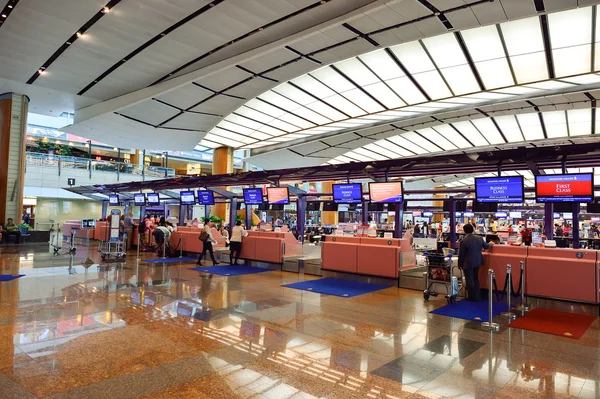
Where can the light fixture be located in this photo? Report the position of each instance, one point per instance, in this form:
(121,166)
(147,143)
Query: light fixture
(3,15)
(68,43)
(79,34)
(105,10)
(41,71)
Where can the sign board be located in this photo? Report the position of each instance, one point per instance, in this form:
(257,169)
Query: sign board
(71,181)
(388,235)
(115,220)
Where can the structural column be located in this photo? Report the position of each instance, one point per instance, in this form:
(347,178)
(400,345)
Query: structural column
(13,125)
(222,164)
(328,217)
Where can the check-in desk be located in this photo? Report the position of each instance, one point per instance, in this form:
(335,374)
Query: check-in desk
(497,258)
(379,257)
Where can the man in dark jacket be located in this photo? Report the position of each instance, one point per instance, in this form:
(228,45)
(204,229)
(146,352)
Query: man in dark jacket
(470,259)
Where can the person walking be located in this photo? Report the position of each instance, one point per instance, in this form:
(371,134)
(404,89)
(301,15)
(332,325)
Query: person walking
(470,259)
(207,243)
(236,242)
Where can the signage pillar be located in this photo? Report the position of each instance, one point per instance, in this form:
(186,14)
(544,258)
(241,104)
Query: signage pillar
(207,211)
(365,212)
(232,213)
(248,217)
(549,221)
(398,218)
(301,220)
(452,209)
(104,209)
(182,212)
(142,212)
(576,209)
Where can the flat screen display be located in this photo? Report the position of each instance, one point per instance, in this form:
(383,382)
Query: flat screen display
(577,187)
(153,199)
(499,189)
(206,197)
(347,193)
(113,200)
(428,214)
(253,196)
(501,214)
(515,215)
(385,192)
(278,195)
(139,199)
(187,198)
(469,214)
(88,223)
(568,215)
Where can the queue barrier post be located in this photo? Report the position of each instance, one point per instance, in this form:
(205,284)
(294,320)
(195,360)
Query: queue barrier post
(180,247)
(490,325)
(508,314)
(524,306)
(138,247)
(164,248)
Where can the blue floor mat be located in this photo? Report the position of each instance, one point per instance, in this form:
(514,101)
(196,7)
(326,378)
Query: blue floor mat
(470,310)
(337,287)
(229,270)
(170,260)
(9,277)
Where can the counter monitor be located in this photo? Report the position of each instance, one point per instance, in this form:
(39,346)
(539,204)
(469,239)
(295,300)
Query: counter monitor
(139,199)
(113,200)
(576,187)
(278,195)
(187,198)
(206,197)
(153,199)
(253,196)
(88,223)
(508,190)
(385,192)
(347,193)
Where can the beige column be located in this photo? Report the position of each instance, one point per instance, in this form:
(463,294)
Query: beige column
(13,128)
(222,164)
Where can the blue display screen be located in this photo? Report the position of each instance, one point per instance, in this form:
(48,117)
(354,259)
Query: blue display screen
(499,189)
(187,198)
(153,199)
(347,193)
(113,200)
(253,196)
(139,199)
(206,197)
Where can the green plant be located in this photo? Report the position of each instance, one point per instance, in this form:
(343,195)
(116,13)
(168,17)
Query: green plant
(215,219)
(239,218)
(203,218)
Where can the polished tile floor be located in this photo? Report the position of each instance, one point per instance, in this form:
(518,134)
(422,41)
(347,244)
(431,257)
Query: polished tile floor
(137,330)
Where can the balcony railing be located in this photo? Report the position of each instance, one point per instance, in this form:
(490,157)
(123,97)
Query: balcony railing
(66,162)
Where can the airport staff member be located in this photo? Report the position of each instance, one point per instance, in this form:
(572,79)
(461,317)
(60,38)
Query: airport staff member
(129,225)
(470,259)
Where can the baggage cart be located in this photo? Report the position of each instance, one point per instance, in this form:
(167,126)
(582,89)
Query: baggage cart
(440,271)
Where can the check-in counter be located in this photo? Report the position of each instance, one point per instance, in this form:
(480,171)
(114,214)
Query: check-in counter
(189,239)
(69,225)
(267,246)
(383,257)
(562,273)
(101,232)
(497,258)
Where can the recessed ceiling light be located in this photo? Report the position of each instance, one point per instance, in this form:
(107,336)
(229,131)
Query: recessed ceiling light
(68,43)
(105,10)
(40,71)
(3,15)
(79,34)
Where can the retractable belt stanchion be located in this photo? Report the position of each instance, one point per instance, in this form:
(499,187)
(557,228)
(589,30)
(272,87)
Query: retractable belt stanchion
(138,246)
(490,325)
(510,315)
(164,248)
(180,247)
(524,306)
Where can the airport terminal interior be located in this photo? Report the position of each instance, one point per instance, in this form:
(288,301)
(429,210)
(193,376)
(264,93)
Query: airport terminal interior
(298,199)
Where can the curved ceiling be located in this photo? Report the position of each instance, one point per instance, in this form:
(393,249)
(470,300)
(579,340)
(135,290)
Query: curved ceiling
(194,103)
(441,72)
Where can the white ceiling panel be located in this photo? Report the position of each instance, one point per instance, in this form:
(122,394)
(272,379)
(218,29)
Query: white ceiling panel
(185,96)
(151,112)
(192,121)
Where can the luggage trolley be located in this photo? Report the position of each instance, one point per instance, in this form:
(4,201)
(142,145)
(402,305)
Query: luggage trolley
(440,270)
(113,249)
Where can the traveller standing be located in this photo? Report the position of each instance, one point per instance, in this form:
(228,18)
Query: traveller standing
(236,242)
(470,259)
(129,225)
(207,243)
